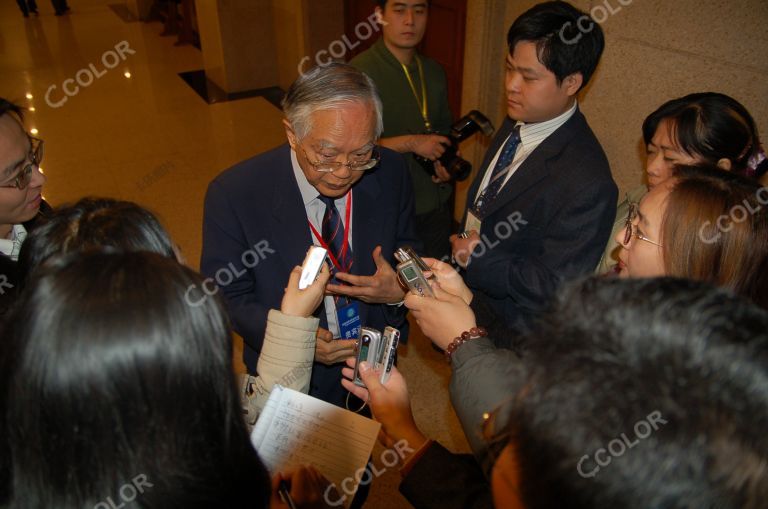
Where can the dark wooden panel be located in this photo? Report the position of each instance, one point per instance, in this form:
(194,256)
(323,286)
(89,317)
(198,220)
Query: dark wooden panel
(444,41)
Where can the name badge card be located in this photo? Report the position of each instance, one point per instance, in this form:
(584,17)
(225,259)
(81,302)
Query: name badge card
(348,318)
(472,222)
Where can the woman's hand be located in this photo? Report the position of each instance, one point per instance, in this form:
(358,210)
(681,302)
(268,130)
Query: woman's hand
(304,302)
(308,488)
(449,278)
(442,318)
(390,404)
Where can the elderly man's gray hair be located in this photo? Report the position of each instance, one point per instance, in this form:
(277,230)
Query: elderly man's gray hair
(326,88)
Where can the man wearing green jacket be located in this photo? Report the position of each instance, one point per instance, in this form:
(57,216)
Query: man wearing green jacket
(414,93)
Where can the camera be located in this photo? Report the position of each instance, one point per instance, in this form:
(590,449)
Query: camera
(466,126)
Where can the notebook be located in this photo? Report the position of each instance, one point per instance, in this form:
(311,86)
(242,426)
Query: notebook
(295,428)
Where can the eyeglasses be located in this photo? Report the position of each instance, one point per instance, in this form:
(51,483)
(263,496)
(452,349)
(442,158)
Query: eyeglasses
(331,166)
(630,230)
(22,179)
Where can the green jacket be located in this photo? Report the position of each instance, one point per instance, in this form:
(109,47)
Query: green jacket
(402,114)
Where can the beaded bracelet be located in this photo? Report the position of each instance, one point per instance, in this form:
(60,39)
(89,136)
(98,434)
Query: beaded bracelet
(473,333)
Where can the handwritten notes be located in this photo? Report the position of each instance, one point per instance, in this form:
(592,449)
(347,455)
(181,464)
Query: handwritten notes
(295,429)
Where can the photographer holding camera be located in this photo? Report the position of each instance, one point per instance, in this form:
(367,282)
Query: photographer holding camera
(414,93)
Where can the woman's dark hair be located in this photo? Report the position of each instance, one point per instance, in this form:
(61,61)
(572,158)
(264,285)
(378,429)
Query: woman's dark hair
(711,126)
(383,3)
(94,223)
(715,229)
(116,380)
(567,40)
(644,393)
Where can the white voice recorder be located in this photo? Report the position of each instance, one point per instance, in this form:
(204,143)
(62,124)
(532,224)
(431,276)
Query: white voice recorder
(312,265)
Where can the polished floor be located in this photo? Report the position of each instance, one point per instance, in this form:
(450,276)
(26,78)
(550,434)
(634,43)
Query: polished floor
(134,130)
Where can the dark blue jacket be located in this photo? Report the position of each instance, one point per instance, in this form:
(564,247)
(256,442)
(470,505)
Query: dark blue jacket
(562,201)
(256,208)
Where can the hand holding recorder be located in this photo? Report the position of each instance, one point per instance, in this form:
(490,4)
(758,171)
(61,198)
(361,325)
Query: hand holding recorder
(441,318)
(389,402)
(449,278)
(379,350)
(305,290)
(412,272)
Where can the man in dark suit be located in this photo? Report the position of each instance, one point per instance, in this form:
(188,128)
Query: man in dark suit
(21,201)
(330,186)
(540,210)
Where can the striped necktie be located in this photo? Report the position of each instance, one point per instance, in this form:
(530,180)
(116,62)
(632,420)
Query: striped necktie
(491,191)
(333,235)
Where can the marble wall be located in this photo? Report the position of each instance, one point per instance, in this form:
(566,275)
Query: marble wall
(252,44)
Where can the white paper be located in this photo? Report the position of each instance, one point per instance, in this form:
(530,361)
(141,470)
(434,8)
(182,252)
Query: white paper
(295,428)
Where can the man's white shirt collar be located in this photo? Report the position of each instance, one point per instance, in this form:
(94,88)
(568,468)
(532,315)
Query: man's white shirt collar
(11,247)
(531,135)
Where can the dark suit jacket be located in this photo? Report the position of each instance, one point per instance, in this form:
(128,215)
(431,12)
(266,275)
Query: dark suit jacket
(566,197)
(256,207)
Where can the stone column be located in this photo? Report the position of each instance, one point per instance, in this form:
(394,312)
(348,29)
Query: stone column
(239,44)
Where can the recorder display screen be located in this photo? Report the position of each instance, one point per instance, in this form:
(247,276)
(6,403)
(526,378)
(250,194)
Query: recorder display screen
(409,273)
(364,346)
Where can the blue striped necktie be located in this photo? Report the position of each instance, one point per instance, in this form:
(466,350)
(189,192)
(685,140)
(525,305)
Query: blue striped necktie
(333,235)
(491,191)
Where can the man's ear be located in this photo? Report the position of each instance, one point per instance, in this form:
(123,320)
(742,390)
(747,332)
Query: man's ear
(572,83)
(290,134)
(724,164)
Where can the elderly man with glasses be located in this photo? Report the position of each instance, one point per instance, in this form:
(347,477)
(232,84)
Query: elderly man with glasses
(330,186)
(21,201)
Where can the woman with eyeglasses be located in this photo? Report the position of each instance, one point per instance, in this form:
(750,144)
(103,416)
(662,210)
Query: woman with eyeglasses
(21,201)
(701,224)
(702,128)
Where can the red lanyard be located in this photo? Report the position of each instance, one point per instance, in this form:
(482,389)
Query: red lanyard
(345,246)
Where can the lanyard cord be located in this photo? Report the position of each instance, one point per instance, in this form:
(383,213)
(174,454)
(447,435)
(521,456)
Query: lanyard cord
(423,101)
(345,246)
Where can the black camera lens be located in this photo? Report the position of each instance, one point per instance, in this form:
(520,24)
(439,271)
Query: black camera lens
(466,126)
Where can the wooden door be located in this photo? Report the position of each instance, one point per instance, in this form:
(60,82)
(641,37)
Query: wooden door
(444,40)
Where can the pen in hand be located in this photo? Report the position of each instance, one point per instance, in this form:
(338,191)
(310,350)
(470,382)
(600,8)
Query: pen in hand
(285,495)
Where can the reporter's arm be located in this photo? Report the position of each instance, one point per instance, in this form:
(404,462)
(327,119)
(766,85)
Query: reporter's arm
(433,476)
(289,342)
(483,377)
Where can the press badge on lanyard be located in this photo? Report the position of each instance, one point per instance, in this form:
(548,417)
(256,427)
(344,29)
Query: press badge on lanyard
(348,318)
(472,222)
(347,311)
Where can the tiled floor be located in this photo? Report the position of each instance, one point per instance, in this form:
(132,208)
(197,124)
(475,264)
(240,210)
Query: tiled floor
(138,132)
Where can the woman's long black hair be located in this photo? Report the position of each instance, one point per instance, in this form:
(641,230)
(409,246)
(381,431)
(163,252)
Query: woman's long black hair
(116,379)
